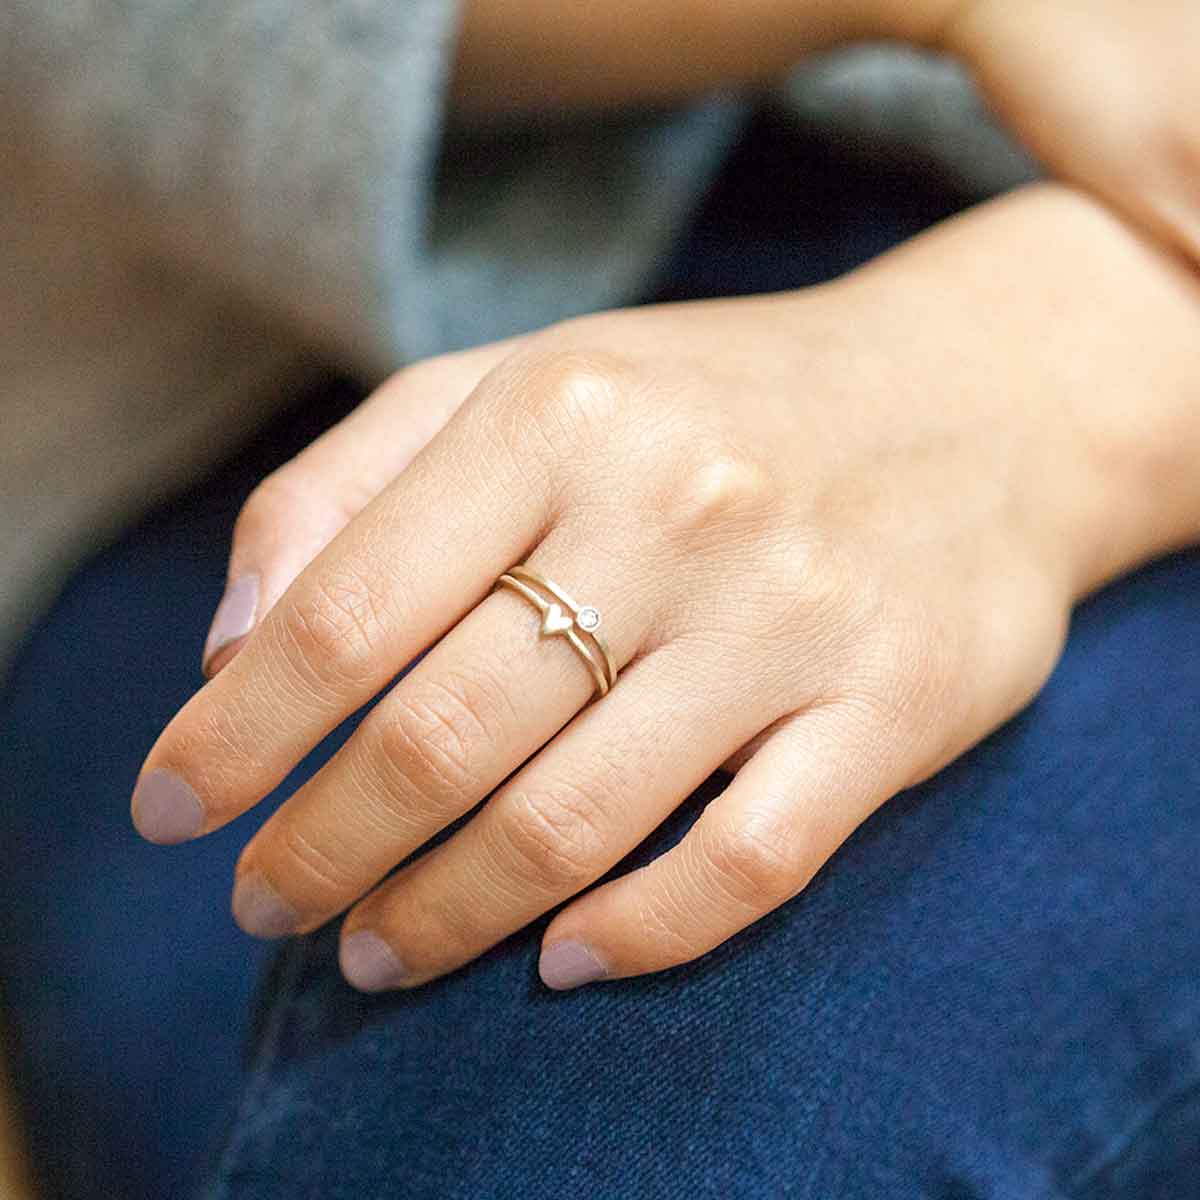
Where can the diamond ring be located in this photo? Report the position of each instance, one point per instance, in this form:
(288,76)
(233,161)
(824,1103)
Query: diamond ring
(579,624)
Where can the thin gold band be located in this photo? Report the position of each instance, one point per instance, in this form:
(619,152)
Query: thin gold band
(562,616)
(528,575)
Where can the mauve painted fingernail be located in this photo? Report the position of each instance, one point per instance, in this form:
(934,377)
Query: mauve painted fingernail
(234,617)
(165,810)
(570,964)
(260,910)
(369,963)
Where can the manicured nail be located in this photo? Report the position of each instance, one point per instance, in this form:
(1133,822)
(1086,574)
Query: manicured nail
(260,910)
(233,619)
(369,963)
(570,964)
(165,809)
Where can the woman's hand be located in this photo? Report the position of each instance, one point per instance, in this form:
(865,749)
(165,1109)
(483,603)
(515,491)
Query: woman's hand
(1105,92)
(834,538)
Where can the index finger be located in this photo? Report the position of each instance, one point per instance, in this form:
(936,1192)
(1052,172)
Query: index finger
(415,560)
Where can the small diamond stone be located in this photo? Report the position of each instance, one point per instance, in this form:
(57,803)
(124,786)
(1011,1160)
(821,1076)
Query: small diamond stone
(588,619)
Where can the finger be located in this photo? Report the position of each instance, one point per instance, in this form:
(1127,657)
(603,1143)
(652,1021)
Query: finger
(416,560)
(752,849)
(573,812)
(298,509)
(483,700)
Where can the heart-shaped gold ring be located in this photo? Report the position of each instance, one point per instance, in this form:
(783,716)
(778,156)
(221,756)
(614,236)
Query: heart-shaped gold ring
(562,617)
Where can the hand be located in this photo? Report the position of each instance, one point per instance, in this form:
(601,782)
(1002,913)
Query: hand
(834,538)
(1105,92)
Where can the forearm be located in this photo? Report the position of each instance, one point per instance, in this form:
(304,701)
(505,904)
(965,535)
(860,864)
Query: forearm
(1055,310)
(528,56)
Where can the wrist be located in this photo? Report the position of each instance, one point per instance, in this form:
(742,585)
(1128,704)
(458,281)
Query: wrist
(1073,340)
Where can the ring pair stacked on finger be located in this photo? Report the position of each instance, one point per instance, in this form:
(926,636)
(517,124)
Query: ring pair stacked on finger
(562,617)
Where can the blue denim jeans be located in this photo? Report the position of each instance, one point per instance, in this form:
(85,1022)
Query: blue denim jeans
(992,991)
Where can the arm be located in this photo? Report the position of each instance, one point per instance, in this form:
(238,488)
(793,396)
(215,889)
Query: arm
(547,56)
(1105,92)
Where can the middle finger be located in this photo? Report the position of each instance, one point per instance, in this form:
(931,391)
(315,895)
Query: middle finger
(571,814)
(489,695)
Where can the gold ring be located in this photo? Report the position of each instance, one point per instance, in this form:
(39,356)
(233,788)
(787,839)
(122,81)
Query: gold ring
(562,617)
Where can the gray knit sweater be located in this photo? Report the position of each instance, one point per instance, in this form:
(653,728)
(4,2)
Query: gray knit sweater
(204,200)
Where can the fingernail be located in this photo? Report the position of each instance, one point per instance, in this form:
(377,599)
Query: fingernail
(260,910)
(165,810)
(233,619)
(570,964)
(369,963)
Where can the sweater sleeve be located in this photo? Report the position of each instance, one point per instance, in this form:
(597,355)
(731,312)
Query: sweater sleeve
(295,150)
(198,192)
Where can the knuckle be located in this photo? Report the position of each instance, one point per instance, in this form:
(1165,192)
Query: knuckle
(311,870)
(675,916)
(808,596)
(433,735)
(570,395)
(758,860)
(453,923)
(558,834)
(712,486)
(335,630)
(670,927)
(909,674)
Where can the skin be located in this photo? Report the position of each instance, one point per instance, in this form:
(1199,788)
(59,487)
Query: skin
(835,537)
(517,57)
(1105,92)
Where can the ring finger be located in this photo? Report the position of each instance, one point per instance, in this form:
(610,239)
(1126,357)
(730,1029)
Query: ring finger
(489,695)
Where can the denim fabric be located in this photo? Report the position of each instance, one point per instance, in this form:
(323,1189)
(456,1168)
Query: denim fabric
(990,992)
(126,984)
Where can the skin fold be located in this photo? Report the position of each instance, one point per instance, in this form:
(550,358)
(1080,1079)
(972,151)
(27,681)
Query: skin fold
(835,537)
